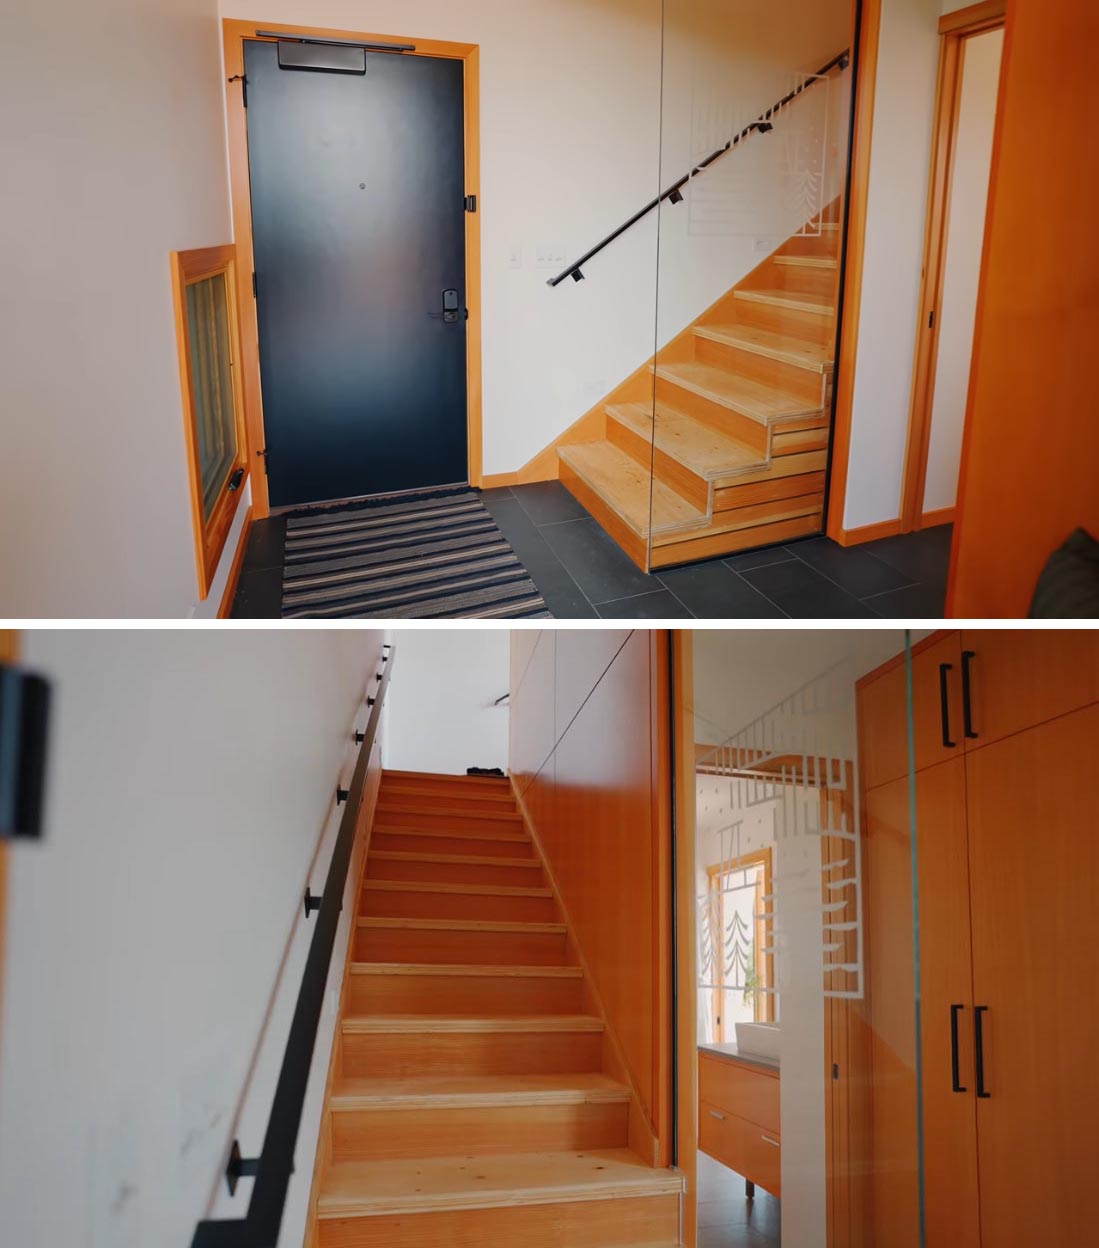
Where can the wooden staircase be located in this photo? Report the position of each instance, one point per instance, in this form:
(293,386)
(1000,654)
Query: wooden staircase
(473,1097)
(728,429)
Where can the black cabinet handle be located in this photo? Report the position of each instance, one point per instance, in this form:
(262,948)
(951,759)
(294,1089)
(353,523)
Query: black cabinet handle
(944,672)
(955,1076)
(967,705)
(979,1037)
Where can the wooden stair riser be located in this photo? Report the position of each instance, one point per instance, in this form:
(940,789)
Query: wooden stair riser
(461,948)
(730,519)
(434,905)
(760,492)
(799,441)
(801,279)
(641,1222)
(716,415)
(423,841)
(825,245)
(456,803)
(428,820)
(712,546)
(480,996)
(802,382)
(691,486)
(804,325)
(423,869)
(635,546)
(406,1055)
(389,1133)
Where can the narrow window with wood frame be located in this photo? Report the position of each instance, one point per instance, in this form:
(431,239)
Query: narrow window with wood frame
(204,284)
(741,964)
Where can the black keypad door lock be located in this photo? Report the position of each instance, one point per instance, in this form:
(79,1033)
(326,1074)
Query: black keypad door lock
(450,307)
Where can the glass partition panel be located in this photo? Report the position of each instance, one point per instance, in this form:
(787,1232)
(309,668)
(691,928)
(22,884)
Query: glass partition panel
(807,981)
(755,115)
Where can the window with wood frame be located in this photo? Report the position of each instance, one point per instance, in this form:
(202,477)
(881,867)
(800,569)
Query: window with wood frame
(742,966)
(204,285)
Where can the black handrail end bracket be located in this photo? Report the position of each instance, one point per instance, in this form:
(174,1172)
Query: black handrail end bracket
(275,1166)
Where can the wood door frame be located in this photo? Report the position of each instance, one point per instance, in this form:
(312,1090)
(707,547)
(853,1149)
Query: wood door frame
(234,34)
(867,28)
(955,30)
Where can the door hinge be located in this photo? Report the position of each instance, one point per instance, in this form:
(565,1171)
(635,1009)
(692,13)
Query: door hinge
(835,1070)
(471,203)
(243,80)
(263,455)
(931,320)
(255,286)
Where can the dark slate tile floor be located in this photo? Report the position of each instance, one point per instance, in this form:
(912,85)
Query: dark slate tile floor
(583,574)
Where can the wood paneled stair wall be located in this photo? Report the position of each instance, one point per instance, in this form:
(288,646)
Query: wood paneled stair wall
(721,443)
(474,1097)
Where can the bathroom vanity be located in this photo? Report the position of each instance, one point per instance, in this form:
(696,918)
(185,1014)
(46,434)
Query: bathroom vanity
(738,1113)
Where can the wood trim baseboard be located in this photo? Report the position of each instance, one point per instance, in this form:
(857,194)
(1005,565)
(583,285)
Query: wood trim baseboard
(932,519)
(868,532)
(991,12)
(226,607)
(867,63)
(234,33)
(498,480)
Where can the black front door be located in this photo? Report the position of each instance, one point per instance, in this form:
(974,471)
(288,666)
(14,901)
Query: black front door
(358,203)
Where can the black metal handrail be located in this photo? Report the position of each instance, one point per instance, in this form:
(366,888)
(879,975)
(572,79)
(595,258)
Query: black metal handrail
(259,1228)
(763,124)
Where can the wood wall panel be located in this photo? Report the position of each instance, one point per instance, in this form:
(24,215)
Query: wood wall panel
(594,805)
(1030,459)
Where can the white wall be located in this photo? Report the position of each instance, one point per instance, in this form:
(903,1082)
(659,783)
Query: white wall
(114,155)
(964,250)
(191,776)
(440,714)
(900,158)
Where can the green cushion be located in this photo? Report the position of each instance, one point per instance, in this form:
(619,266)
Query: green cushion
(1069,585)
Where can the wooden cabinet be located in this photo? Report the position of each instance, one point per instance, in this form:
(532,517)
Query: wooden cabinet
(1007,854)
(738,1118)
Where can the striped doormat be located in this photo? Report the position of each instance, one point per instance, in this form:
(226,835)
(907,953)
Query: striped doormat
(437,556)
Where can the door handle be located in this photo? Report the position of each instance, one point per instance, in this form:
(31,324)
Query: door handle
(967,704)
(979,1037)
(450,307)
(944,703)
(715,1114)
(768,1140)
(955,1077)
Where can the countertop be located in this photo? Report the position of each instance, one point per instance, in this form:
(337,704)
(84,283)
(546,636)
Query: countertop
(731,1053)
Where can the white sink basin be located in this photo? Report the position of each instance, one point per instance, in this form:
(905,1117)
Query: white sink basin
(759,1039)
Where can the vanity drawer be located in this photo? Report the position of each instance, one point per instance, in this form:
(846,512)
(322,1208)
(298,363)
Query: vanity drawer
(742,1146)
(748,1093)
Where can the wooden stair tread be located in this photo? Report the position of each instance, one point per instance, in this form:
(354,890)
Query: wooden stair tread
(424,1024)
(471,890)
(818,305)
(469,1091)
(807,262)
(705,451)
(442,777)
(627,488)
(450,834)
(422,1184)
(765,404)
(772,345)
(466,971)
(502,926)
(465,860)
(404,808)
